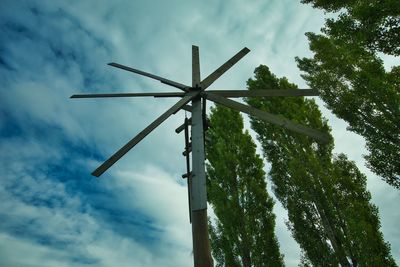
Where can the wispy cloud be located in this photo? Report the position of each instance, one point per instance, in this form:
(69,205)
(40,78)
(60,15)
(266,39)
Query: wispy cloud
(52,212)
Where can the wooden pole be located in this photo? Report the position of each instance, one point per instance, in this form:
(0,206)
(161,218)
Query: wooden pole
(201,243)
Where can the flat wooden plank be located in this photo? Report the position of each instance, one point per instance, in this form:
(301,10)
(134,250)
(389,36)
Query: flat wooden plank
(188,108)
(265,93)
(195,66)
(223,68)
(167,94)
(268,117)
(128,146)
(199,190)
(161,79)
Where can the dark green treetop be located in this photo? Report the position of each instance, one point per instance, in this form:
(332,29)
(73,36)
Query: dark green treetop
(373,25)
(352,80)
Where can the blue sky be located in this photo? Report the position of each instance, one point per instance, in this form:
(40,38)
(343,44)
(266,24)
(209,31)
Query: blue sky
(52,211)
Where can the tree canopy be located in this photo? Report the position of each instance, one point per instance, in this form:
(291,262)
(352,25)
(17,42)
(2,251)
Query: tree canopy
(352,79)
(329,209)
(243,234)
(373,25)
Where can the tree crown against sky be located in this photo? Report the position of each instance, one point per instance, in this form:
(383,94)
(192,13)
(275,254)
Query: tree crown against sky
(329,209)
(375,25)
(243,233)
(352,80)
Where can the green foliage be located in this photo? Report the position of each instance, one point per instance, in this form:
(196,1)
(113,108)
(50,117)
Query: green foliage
(374,25)
(329,209)
(244,230)
(352,80)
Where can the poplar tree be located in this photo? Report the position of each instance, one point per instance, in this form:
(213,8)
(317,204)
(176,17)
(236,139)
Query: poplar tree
(372,25)
(351,77)
(243,233)
(329,209)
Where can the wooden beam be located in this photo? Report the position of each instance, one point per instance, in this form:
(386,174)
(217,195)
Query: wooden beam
(188,108)
(128,146)
(168,94)
(195,66)
(201,243)
(223,68)
(265,93)
(161,79)
(182,127)
(198,190)
(268,117)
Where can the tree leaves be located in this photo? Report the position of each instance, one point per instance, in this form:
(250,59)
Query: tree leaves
(243,234)
(330,215)
(373,25)
(352,80)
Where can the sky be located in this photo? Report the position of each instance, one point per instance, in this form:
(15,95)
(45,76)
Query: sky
(52,211)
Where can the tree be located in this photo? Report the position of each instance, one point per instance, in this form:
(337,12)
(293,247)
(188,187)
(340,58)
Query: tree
(329,209)
(352,79)
(373,25)
(243,234)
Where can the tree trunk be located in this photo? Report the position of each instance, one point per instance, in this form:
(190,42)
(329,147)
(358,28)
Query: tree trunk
(336,244)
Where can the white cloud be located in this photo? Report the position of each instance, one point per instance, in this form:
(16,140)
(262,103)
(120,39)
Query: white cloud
(69,221)
(156,37)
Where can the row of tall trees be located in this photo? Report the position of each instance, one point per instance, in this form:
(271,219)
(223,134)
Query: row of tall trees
(329,209)
(243,234)
(348,72)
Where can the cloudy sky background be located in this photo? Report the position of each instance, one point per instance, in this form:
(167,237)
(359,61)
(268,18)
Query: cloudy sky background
(52,211)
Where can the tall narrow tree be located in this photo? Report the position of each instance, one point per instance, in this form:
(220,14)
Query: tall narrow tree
(329,209)
(352,79)
(243,234)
